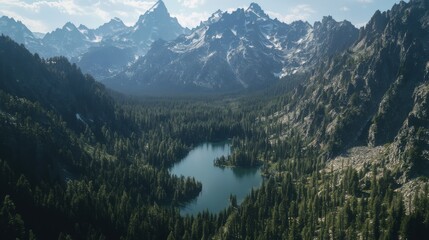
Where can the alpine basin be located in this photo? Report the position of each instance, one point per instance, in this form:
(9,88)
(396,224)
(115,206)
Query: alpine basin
(218,183)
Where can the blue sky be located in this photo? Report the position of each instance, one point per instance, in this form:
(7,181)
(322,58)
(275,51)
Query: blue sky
(47,15)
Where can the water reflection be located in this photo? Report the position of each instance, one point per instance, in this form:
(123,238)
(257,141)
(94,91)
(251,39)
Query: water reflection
(218,183)
(244,172)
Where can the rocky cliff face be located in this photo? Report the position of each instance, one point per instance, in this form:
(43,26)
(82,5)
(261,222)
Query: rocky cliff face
(20,33)
(372,94)
(68,41)
(89,47)
(237,51)
(410,147)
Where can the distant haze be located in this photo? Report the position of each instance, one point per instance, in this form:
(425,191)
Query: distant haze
(47,15)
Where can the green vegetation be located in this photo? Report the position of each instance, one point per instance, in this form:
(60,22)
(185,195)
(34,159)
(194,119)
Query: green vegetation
(76,163)
(245,153)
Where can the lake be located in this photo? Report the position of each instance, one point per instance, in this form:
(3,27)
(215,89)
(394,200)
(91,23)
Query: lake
(218,183)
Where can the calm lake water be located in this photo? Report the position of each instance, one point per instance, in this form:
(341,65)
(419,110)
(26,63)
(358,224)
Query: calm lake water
(218,183)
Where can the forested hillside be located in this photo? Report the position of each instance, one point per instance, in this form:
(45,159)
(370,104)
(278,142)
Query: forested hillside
(343,148)
(364,95)
(75,162)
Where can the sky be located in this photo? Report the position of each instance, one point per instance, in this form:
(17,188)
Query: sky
(47,15)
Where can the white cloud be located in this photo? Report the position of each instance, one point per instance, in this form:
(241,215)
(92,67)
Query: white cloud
(191,3)
(141,6)
(30,23)
(65,6)
(69,7)
(52,13)
(299,12)
(344,9)
(191,20)
(34,24)
(365,1)
(105,16)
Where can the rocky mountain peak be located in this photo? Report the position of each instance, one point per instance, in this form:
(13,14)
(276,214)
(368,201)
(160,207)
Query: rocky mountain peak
(17,31)
(329,23)
(214,17)
(115,21)
(255,9)
(11,22)
(6,19)
(113,26)
(159,6)
(83,28)
(244,49)
(159,10)
(69,27)
(328,20)
(378,22)
(155,24)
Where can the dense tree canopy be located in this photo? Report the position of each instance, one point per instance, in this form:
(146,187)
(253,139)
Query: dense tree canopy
(78,163)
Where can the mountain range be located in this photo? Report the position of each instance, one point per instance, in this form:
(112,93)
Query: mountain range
(242,50)
(89,47)
(230,52)
(374,93)
(235,51)
(341,127)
